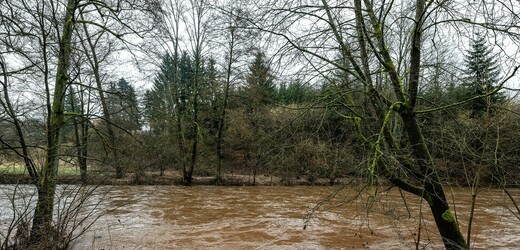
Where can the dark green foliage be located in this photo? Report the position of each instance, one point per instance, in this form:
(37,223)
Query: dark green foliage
(211,94)
(482,74)
(260,81)
(295,92)
(173,86)
(167,90)
(72,107)
(180,114)
(123,105)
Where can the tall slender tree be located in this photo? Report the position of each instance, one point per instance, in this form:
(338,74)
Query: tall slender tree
(260,81)
(42,221)
(235,42)
(482,74)
(95,57)
(259,93)
(169,104)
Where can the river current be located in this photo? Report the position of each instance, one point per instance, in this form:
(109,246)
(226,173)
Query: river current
(211,217)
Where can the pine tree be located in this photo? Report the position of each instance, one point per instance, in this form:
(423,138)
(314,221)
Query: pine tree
(123,105)
(260,82)
(211,93)
(294,92)
(159,100)
(170,97)
(482,73)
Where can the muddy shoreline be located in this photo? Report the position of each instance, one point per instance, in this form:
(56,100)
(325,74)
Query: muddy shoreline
(175,179)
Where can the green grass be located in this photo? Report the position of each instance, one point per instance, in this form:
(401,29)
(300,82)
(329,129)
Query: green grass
(68,171)
(19,169)
(12,169)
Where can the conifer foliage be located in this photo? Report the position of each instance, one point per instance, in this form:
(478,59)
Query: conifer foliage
(123,105)
(260,81)
(482,75)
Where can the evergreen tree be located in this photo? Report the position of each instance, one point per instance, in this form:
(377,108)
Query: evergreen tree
(155,100)
(482,73)
(260,82)
(170,100)
(159,100)
(123,105)
(295,92)
(186,82)
(210,90)
(182,105)
(71,105)
(210,95)
(171,94)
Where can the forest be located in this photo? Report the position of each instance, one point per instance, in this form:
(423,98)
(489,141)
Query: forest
(416,95)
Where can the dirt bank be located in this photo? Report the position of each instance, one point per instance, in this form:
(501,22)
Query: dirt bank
(173,178)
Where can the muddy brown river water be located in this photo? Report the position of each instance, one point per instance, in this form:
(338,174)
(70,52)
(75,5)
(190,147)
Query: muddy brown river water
(209,217)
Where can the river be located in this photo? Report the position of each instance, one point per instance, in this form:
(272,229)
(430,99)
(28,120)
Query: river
(210,217)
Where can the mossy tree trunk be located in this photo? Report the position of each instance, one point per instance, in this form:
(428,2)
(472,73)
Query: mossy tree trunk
(420,164)
(42,222)
(432,190)
(424,169)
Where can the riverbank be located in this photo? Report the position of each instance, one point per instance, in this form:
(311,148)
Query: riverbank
(16,174)
(174,178)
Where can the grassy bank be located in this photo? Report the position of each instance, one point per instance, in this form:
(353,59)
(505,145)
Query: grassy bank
(15,169)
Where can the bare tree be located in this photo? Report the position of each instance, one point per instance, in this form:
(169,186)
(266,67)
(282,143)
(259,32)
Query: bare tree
(95,58)
(51,28)
(235,35)
(184,27)
(370,39)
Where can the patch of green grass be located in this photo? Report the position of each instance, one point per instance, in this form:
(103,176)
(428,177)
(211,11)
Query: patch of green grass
(12,169)
(19,169)
(68,171)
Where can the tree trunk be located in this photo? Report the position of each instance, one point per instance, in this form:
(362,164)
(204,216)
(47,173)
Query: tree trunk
(42,221)
(77,137)
(332,178)
(224,104)
(254,175)
(94,62)
(444,219)
(432,190)
(83,152)
(195,129)
(80,134)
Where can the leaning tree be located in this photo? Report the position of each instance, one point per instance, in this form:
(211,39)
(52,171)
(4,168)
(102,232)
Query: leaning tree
(382,47)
